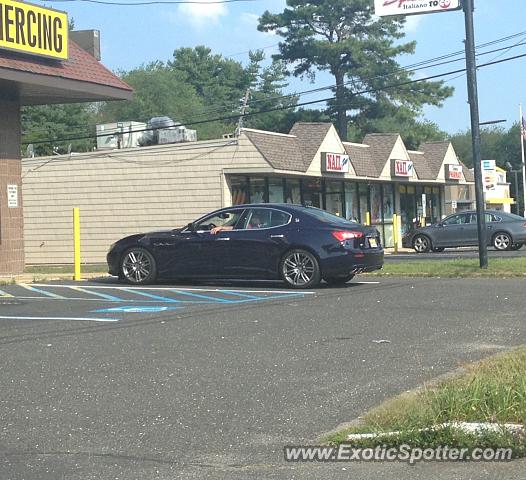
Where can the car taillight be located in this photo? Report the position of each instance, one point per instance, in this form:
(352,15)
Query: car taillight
(342,235)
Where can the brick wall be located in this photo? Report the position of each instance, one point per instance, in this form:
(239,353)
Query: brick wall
(11,218)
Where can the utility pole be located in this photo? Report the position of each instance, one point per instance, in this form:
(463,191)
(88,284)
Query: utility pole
(471,69)
(242,112)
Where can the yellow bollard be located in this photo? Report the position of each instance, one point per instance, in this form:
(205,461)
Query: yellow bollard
(395,232)
(367,218)
(76,243)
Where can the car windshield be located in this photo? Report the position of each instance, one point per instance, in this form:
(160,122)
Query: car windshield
(327,217)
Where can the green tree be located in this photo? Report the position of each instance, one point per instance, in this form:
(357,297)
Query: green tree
(51,124)
(360,50)
(159,90)
(267,93)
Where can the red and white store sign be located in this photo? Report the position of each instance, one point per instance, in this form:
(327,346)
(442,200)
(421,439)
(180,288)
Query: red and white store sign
(335,162)
(403,168)
(453,172)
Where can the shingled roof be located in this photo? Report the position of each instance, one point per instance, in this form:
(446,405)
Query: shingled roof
(281,151)
(421,165)
(360,156)
(310,137)
(294,151)
(80,78)
(382,145)
(435,152)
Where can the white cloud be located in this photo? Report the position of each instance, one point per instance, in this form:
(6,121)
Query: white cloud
(412,23)
(203,12)
(250,18)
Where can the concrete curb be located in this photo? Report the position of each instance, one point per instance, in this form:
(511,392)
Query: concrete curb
(36,277)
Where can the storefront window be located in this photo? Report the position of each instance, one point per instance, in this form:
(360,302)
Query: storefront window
(292,191)
(387,211)
(275,190)
(352,212)
(435,205)
(363,191)
(334,197)
(376,205)
(407,207)
(312,194)
(239,189)
(257,190)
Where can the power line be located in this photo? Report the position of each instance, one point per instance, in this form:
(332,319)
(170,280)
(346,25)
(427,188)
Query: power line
(346,102)
(412,68)
(420,66)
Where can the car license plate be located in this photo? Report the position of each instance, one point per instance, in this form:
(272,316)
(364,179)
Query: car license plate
(373,243)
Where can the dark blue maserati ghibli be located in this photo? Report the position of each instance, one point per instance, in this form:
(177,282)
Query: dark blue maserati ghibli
(296,244)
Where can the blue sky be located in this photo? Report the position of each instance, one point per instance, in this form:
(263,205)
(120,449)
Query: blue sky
(133,35)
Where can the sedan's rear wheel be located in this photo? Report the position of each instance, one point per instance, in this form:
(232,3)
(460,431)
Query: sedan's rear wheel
(138,266)
(300,269)
(421,244)
(339,280)
(502,241)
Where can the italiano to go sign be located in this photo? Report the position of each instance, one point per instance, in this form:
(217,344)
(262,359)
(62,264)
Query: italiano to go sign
(335,163)
(33,30)
(384,8)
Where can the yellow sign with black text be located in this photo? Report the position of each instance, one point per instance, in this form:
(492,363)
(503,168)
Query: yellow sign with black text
(34,30)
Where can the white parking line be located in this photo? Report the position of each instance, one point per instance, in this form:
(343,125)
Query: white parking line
(43,292)
(83,319)
(219,290)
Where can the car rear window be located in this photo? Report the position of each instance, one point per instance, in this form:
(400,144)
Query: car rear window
(327,217)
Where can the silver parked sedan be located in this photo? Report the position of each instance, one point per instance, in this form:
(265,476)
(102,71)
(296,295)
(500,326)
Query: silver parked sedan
(505,231)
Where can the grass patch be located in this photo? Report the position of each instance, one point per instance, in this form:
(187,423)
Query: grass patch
(59,269)
(498,267)
(493,390)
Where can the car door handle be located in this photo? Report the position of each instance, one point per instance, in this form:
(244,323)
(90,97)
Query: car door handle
(277,236)
(224,239)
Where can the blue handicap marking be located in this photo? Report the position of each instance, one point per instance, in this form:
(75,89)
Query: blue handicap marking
(135,309)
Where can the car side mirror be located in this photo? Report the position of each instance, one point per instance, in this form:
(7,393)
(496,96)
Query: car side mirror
(190,227)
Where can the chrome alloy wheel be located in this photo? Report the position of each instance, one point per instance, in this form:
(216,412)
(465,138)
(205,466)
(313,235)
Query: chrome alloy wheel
(299,268)
(421,244)
(502,241)
(137,266)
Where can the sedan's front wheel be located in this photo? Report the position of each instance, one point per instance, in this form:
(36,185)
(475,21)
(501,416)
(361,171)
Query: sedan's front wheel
(138,266)
(421,244)
(502,241)
(300,269)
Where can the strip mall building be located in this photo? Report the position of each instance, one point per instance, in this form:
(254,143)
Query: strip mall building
(121,192)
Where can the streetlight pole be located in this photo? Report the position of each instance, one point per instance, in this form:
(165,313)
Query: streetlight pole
(471,70)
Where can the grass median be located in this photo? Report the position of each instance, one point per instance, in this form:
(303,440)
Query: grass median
(498,267)
(490,391)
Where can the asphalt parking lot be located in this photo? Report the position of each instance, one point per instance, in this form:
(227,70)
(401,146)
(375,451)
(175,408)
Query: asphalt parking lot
(104,381)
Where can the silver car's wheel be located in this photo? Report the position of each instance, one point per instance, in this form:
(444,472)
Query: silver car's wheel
(138,266)
(502,241)
(300,269)
(421,244)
